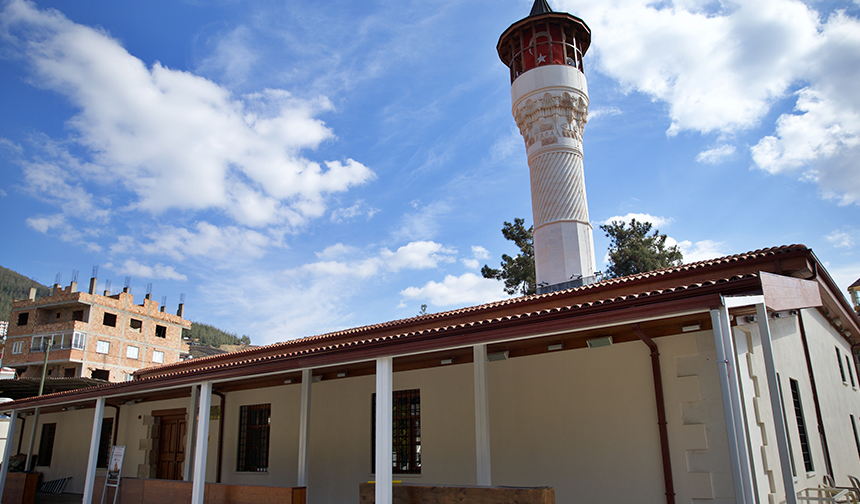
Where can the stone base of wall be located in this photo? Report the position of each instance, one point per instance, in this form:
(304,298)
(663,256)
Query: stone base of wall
(415,494)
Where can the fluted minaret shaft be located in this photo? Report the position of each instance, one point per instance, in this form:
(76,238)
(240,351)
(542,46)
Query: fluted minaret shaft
(550,105)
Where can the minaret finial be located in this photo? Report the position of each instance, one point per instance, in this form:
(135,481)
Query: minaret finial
(540,7)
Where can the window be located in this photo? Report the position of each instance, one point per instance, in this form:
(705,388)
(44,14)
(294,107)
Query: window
(69,372)
(101,374)
(841,369)
(160,331)
(39,343)
(103,347)
(406,427)
(135,325)
(801,425)
(105,443)
(17,347)
(78,315)
(254,424)
(856,437)
(46,444)
(132,352)
(23,318)
(158,356)
(110,320)
(850,373)
(79,340)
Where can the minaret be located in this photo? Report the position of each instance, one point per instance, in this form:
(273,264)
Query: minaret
(550,104)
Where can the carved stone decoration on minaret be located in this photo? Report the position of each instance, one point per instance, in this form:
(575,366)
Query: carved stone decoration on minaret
(550,105)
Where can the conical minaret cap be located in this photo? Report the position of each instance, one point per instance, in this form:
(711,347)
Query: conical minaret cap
(540,7)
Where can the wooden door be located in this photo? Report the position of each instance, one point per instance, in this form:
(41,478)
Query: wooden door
(171,448)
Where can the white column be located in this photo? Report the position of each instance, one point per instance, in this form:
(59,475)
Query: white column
(7,452)
(737,409)
(189,436)
(90,479)
(482,415)
(731,429)
(304,427)
(198,491)
(32,439)
(384,431)
(776,405)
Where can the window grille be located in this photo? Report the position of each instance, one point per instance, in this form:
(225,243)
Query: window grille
(801,425)
(839,360)
(254,423)
(406,432)
(856,436)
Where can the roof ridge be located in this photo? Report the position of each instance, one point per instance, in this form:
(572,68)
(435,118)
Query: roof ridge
(671,270)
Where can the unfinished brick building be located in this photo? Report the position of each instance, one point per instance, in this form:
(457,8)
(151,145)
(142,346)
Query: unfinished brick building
(86,335)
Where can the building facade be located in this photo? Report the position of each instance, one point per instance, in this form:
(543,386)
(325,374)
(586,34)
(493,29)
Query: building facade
(74,334)
(730,380)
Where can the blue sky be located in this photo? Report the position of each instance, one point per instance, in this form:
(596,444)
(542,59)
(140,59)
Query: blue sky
(300,167)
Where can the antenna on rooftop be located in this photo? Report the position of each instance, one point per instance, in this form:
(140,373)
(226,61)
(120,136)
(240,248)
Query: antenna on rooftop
(149,289)
(59,277)
(95,271)
(75,276)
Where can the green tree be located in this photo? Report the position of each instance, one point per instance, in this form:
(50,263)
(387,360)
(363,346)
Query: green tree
(632,250)
(518,272)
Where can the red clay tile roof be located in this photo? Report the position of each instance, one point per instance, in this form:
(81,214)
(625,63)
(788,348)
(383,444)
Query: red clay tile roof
(357,332)
(580,298)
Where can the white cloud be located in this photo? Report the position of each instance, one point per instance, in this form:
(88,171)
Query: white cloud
(598,112)
(722,66)
(66,232)
(478,254)
(423,224)
(160,133)
(655,221)
(133,268)
(464,290)
(840,239)
(506,145)
(232,56)
(204,241)
(359,208)
(716,155)
(418,255)
(701,250)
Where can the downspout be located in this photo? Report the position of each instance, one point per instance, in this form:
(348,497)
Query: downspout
(661,414)
(818,416)
(220,436)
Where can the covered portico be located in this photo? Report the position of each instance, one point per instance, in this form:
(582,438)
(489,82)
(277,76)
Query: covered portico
(570,390)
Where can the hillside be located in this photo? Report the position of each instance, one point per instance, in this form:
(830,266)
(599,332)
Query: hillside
(16,286)
(208,335)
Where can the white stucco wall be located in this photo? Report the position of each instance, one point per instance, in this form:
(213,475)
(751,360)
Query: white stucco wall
(837,399)
(583,421)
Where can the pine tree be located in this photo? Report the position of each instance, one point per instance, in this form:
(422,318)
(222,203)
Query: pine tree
(632,250)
